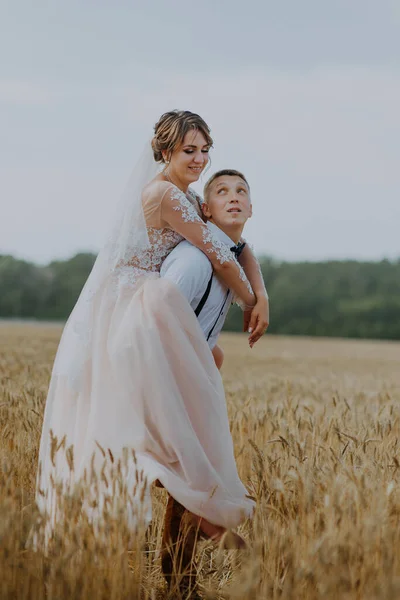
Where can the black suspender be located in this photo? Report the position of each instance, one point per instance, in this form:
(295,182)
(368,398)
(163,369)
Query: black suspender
(204,298)
(237,249)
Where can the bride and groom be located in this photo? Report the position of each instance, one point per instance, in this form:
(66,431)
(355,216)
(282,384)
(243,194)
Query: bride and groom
(136,364)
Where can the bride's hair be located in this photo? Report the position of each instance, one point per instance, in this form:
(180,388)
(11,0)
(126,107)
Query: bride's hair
(171,128)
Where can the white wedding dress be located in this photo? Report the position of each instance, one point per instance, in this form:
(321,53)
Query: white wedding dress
(146,379)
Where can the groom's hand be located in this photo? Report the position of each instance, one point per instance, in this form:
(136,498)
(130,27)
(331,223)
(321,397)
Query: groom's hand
(256,320)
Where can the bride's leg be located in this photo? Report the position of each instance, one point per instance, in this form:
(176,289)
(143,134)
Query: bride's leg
(178,549)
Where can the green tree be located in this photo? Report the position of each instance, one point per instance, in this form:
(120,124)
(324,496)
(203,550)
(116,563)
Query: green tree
(332,298)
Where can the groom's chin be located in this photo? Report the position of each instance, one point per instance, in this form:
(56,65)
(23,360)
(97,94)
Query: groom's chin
(229,221)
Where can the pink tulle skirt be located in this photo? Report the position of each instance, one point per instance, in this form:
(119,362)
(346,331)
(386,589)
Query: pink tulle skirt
(148,383)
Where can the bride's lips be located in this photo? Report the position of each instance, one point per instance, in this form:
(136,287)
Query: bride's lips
(234,210)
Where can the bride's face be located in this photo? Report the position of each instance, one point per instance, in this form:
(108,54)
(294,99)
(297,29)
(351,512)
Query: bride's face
(190,159)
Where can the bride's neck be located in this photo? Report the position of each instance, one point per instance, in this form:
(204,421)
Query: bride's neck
(175,180)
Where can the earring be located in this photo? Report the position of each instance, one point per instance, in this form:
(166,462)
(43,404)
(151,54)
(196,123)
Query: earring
(165,172)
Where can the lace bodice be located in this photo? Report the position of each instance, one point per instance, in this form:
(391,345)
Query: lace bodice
(163,241)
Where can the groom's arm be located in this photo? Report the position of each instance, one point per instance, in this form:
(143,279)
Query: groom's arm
(189,269)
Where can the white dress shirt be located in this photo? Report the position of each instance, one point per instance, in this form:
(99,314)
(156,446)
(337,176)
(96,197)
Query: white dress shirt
(189,268)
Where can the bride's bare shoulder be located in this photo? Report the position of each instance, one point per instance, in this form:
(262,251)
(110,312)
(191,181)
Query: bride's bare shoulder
(155,190)
(152,199)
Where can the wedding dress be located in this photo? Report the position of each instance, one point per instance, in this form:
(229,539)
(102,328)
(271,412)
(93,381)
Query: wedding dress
(137,373)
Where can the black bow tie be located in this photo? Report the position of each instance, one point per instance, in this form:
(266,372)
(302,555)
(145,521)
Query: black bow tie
(238,249)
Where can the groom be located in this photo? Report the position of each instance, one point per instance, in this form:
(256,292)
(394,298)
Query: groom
(227,207)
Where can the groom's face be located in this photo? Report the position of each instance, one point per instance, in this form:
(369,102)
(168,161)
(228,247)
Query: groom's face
(228,202)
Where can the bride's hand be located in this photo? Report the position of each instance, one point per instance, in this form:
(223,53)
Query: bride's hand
(256,320)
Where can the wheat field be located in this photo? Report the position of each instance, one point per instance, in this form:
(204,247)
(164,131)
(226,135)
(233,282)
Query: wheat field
(316,430)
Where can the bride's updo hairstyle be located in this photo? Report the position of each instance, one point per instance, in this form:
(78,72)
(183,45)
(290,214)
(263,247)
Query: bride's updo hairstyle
(170,131)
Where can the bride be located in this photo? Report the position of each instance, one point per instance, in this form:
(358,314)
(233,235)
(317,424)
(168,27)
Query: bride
(133,369)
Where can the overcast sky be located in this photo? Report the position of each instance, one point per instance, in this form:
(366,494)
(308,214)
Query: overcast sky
(303,96)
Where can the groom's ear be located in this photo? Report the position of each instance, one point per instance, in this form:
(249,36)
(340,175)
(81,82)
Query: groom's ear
(206,210)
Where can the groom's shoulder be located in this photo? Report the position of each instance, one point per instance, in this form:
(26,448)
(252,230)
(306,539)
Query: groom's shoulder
(190,253)
(189,261)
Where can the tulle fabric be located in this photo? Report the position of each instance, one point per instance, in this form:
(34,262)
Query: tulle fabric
(150,385)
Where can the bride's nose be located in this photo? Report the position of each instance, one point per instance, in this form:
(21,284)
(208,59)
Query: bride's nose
(198,158)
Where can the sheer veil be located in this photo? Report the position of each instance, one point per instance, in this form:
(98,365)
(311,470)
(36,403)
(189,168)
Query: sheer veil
(127,236)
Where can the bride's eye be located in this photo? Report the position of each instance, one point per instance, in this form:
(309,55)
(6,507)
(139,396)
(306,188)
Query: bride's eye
(188,151)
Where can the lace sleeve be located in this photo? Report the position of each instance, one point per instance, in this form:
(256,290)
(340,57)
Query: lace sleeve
(179,213)
(253,271)
(197,198)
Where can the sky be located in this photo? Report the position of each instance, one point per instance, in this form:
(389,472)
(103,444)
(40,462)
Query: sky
(303,97)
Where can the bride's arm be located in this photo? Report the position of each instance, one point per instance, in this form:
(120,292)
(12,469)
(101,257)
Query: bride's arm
(179,214)
(252,269)
(256,321)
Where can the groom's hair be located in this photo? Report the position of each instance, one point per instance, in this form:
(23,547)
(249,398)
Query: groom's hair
(223,173)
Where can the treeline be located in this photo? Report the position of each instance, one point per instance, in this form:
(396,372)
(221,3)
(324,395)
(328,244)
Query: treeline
(332,298)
